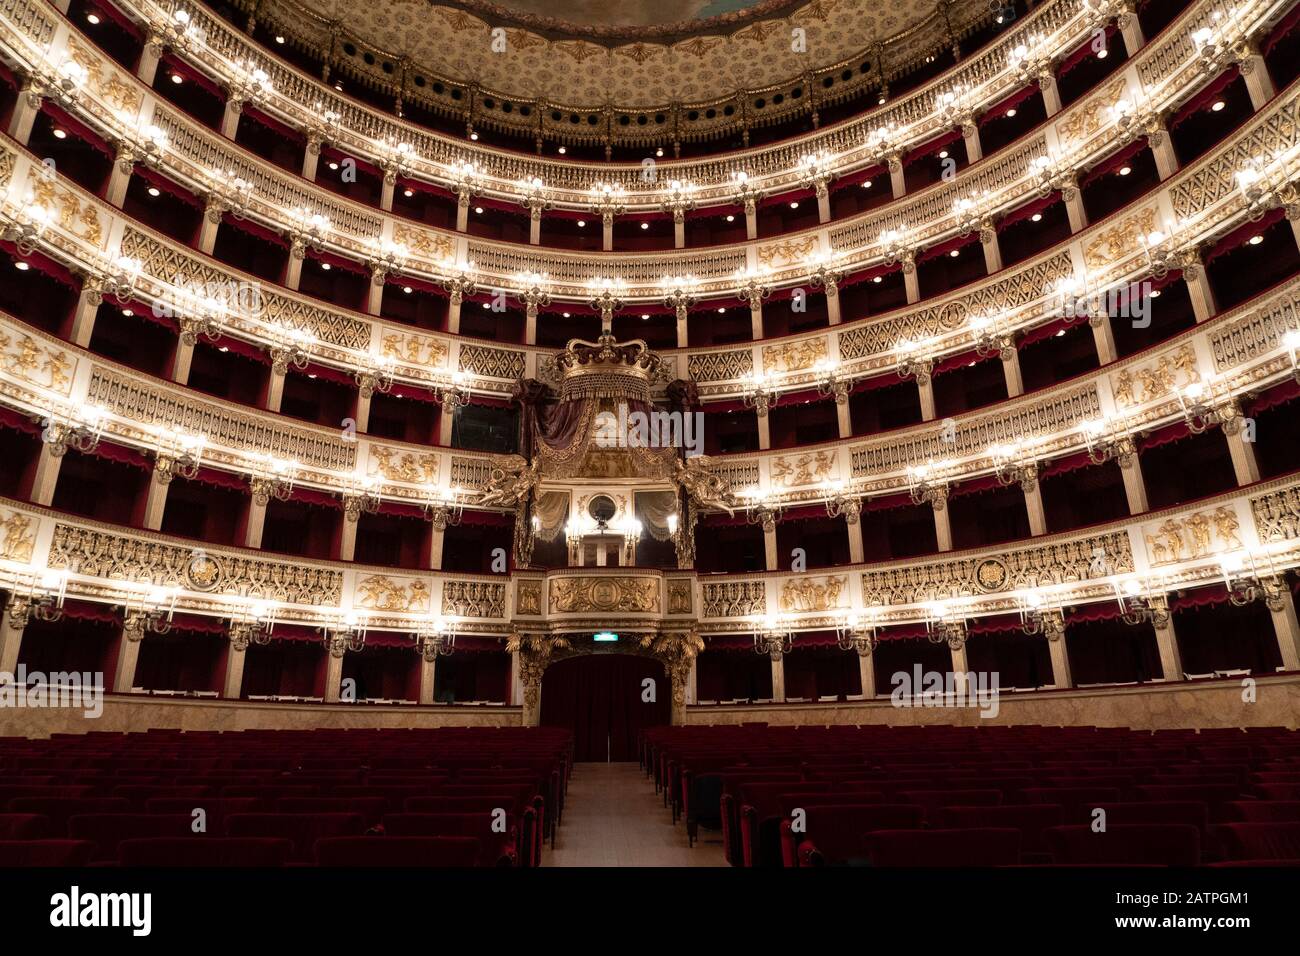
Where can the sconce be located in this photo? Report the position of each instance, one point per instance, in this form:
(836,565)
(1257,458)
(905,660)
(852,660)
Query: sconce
(149,145)
(773,638)
(466,178)
(1206,404)
(292,349)
(762,511)
(78,428)
(535,292)
(679,199)
(177,32)
(27,226)
(348,635)
(176,453)
(972,215)
(534,196)
(119,279)
(1137,118)
(992,339)
(385,258)
(1214,49)
(841,501)
(747,194)
(455,392)
(760,396)
(1029,64)
(1267,185)
(396,159)
(151,612)
(307,230)
(752,286)
(250,83)
(41,597)
(679,293)
(815,172)
(252,624)
(436,637)
(1053,177)
(377,378)
(1250,578)
(461,284)
(825,271)
(1015,463)
(831,383)
(363,497)
(896,250)
(606,297)
(608,200)
(444,507)
(913,362)
(1108,440)
(928,484)
(272,477)
(945,625)
(1040,616)
(858,632)
(1139,603)
(951,106)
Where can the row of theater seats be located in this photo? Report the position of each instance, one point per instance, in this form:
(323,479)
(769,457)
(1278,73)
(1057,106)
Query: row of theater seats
(445,797)
(983,796)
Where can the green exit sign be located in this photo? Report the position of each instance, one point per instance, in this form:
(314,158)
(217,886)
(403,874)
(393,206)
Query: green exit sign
(605,637)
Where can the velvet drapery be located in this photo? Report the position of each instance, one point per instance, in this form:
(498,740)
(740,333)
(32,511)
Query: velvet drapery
(600,698)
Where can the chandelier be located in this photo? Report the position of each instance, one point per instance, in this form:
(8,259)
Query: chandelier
(1053,177)
(747,194)
(385,258)
(825,271)
(928,484)
(1030,63)
(396,158)
(992,338)
(321,127)
(199,317)
(1137,118)
(26,227)
(377,378)
(1040,616)
(1250,577)
(443,506)
(250,82)
(679,293)
(1140,604)
(435,637)
(679,199)
(119,279)
(348,635)
(461,284)
(1267,185)
(606,297)
(177,453)
(773,639)
(914,362)
(292,348)
(466,179)
(148,146)
(1214,49)
(177,32)
(608,200)
(831,383)
(363,497)
(858,632)
(77,427)
(753,286)
(895,249)
(63,82)
(814,171)
(951,106)
(534,196)
(535,292)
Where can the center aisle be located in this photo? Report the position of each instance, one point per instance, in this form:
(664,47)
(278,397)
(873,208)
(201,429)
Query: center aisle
(613,817)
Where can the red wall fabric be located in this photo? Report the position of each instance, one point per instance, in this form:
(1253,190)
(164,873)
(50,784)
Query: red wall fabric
(599,698)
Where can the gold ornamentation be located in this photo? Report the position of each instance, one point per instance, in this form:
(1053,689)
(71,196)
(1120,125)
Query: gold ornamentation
(19,537)
(814,594)
(793,356)
(1089,118)
(379,592)
(809,468)
(528,597)
(405,466)
(474,599)
(681,596)
(410,348)
(1120,240)
(1145,383)
(991,574)
(423,243)
(37,363)
(733,598)
(1197,535)
(573,595)
(786,252)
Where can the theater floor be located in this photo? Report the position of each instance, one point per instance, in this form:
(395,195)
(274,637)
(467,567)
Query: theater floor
(613,817)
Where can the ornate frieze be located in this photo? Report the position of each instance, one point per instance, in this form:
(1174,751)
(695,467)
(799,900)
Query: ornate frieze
(727,366)
(410,467)
(17,536)
(1195,535)
(806,468)
(733,598)
(1277,515)
(623,593)
(36,362)
(1155,378)
(382,592)
(482,599)
(490,362)
(796,356)
(808,593)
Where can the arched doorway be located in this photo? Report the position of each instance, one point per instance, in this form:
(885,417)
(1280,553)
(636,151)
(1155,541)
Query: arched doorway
(601,698)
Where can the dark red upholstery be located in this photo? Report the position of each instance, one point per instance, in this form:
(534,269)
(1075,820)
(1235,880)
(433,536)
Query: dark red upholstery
(24,826)
(60,809)
(1171,844)
(1189,812)
(300,829)
(45,852)
(986,847)
(496,848)
(371,808)
(1263,811)
(836,834)
(107,830)
(397,851)
(1258,841)
(204,851)
(1030,819)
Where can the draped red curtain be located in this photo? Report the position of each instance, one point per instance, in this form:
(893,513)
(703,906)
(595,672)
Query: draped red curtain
(599,698)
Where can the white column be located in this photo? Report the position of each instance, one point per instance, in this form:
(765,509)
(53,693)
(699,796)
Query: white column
(1198,289)
(516,698)
(607,233)
(147,68)
(942,523)
(87,308)
(375,295)
(778,680)
(233,683)
(1103,338)
(756,319)
(1135,488)
(1061,675)
(453,313)
(1162,149)
(230,118)
(275,388)
(11,637)
(693,683)
(311,159)
(437,537)
(1074,208)
(1171,661)
(1011,373)
(911,282)
(867,674)
(679,231)
(24,116)
(446,420)
(293,271)
(156,503)
(857,551)
(764,433)
(530,325)
(833,304)
(897,181)
(333,677)
(751,219)
(120,176)
(823,202)
(348,533)
(960,663)
(1245,466)
(256,521)
(183,356)
(389,188)
(1258,82)
(992,250)
(128,654)
(1051,95)
(682,326)
(970,135)
(535,226)
(1131,29)
(1034,508)
(47,473)
(844,418)
(212,213)
(771,558)
(1284,624)
(926,388)
(428,672)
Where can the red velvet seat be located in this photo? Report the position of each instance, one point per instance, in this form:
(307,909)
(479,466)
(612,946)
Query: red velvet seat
(138,793)
(107,830)
(24,826)
(1213,796)
(1072,800)
(933,800)
(204,851)
(1257,841)
(1170,844)
(61,809)
(496,848)
(371,808)
(1030,819)
(18,853)
(217,808)
(836,834)
(1278,791)
(531,826)
(1262,811)
(301,829)
(1190,812)
(986,847)
(437,852)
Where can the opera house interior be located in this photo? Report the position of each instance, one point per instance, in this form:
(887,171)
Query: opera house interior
(780,434)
